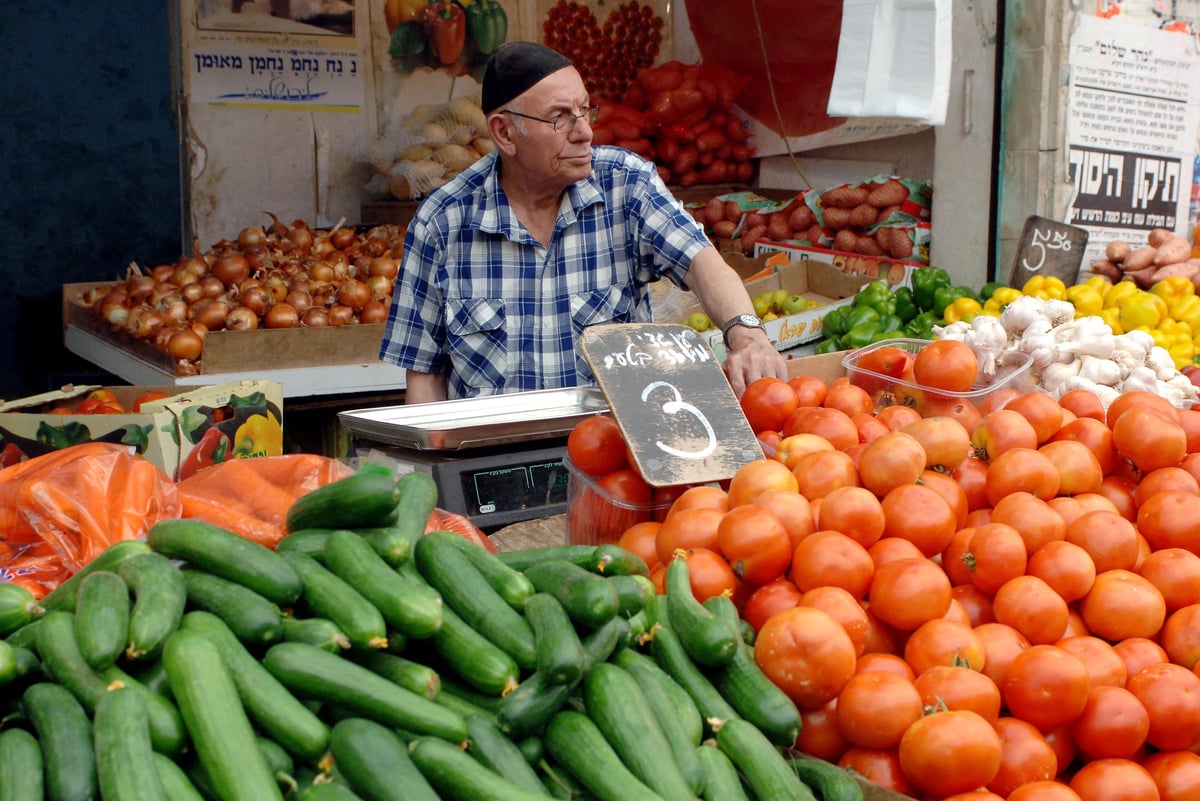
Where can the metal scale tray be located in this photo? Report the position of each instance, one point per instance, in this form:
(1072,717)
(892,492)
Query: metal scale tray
(476,422)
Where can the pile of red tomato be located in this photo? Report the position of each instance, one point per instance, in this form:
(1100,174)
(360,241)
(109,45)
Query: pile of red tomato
(966,600)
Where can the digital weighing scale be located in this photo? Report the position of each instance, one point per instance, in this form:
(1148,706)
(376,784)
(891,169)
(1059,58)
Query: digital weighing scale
(497,459)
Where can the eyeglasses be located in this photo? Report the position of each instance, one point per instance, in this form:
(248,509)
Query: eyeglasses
(562,123)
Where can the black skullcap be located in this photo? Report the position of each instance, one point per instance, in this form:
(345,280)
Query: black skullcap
(514,67)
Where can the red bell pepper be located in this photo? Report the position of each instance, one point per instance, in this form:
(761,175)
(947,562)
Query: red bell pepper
(212,448)
(447,31)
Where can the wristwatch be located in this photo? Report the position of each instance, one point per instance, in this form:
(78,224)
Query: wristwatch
(744,320)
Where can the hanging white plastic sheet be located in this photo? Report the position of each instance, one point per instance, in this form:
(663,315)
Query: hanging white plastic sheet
(893,60)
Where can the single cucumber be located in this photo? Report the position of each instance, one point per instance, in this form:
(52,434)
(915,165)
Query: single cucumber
(255,619)
(102,618)
(574,741)
(645,669)
(661,706)
(511,585)
(829,781)
(452,693)
(458,777)
(463,588)
(329,791)
(279,762)
(319,631)
(578,555)
(709,639)
(220,730)
(16,663)
(559,783)
(374,761)
(21,766)
(417,498)
(527,709)
(64,663)
(493,749)
(414,609)
(312,673)
(559,651)
(615,703)
(18,607)
(65,733)
(167,732)
(62,597)
(672,657)
(330,597)
(175,782)
(589,599)
(610,559)
(363,500)
(225,554)
(748,690)
(632,593)
(308,541)
(159,597)
(721,780)
(472,657)
(270,706)
(412,676)
(124,756)
(761,764)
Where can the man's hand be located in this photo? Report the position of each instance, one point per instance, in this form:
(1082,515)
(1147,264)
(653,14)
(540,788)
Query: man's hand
(751,356)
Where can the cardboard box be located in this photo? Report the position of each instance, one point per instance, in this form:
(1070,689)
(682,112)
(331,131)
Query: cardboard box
(173,433)
(825,366)
(811,278)
(239,351)
(896,272)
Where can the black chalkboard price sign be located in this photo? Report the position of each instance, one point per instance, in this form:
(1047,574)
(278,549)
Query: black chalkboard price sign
(1049,248)
(671,401)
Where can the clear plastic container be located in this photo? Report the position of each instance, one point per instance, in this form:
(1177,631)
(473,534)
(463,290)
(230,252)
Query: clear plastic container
(595,516)
(999,370)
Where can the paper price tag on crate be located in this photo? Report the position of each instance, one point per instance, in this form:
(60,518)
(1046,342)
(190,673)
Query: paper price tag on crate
(671,401)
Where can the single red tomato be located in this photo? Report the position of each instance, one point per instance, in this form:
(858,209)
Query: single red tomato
(596,447)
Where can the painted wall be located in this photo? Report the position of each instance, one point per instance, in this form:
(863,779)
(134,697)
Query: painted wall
(89,169)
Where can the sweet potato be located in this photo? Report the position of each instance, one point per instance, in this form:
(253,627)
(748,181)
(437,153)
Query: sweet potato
(714,211)
(845,240)
(1139,259)
(1106,268)
(815,234)
(836,217)
(724,228)
(867,246)
(1159,236)
(1173,251)
(1141,277)
(777,226)
(899,243)
(862,215)
(889,193)
(732,210)
(801,216)
(1117,250)
(886,212)
(884,237)
(752,235)
(844,197)
(1188,269)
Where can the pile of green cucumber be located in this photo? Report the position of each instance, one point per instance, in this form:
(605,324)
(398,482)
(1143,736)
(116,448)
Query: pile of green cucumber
(364,659)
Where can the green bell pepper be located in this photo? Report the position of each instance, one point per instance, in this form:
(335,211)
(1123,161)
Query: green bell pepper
(834,322)
(905,305)
(861,314)
(827,345)
(921,326)
(487,25)
(878,296)
(861,335)
(895,333)
(943,296)
(890,322)
(925,282)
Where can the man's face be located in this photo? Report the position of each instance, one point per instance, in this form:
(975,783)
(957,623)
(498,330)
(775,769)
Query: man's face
(560,158)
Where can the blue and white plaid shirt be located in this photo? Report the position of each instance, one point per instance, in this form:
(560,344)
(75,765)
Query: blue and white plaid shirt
(480,299)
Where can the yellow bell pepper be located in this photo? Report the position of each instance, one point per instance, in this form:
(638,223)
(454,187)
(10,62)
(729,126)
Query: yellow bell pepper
(1086,300)
(1140,310)
(1182,354)
(1186,310)
(260,435)
(1005,295)
(1118,292)
(1113,318)
(1175,286)
(1099,283)
(963,309)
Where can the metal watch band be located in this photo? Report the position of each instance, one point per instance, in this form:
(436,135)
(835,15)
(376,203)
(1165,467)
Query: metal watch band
(744,320)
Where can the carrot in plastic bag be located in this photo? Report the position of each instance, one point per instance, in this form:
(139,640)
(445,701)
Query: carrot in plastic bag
(442,520)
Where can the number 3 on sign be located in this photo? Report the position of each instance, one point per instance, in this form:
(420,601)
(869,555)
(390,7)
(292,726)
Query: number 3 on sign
(675,406)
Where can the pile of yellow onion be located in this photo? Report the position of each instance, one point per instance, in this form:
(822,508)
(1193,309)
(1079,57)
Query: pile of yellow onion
(278,277)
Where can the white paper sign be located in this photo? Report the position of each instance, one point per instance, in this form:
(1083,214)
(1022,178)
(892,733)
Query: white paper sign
(1133,114)
(893,60)
(230,73)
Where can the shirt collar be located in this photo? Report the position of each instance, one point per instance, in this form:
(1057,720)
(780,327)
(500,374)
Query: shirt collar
(495,214)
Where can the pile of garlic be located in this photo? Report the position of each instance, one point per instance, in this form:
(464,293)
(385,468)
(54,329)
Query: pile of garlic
(1069,353)
(430,146)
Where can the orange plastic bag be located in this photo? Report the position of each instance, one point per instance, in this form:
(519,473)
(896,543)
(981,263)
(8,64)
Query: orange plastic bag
(82,499)
(251,497)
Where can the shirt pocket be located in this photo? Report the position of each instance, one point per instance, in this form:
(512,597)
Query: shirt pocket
(478,341)
(612,304)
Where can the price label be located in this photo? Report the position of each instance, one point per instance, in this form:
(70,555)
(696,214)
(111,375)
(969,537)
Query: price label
(1048,248)
(672,402)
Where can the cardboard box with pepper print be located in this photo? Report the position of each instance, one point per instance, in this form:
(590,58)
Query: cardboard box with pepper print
(180,432)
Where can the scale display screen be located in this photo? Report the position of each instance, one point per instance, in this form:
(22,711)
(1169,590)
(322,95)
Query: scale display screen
(511,488)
